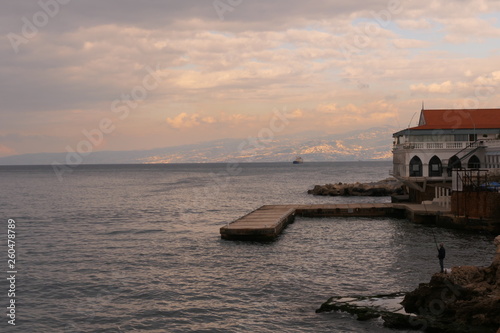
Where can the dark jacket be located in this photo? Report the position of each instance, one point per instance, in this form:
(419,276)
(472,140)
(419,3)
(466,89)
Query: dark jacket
(441,253)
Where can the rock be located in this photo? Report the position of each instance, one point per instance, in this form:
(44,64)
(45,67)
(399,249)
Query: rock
(466,300)
(384,187)
(398,321)
(366,308)
(496,260)
(468,297)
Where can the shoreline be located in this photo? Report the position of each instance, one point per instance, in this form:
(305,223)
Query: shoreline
(467,299)
(440,213)
(267,222)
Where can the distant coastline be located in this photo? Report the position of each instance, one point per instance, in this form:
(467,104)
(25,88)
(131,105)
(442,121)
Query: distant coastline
(49,162)
(369,144)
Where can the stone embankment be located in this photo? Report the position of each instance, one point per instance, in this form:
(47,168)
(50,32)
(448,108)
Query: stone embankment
(381,188)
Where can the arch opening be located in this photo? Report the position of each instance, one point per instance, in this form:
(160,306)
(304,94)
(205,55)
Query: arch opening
(416,167)
(435,167)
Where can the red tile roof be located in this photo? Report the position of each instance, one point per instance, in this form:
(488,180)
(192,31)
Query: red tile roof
(459,119)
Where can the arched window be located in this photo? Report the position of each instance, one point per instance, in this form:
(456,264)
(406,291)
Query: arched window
(453,163)
(435,167)
(415,167)
(474,162)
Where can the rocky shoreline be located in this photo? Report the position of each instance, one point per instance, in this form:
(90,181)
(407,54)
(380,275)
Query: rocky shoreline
(386,187)
(467,299)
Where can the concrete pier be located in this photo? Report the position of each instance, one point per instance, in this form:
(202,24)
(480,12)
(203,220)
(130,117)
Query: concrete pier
(267,222)
(346,210)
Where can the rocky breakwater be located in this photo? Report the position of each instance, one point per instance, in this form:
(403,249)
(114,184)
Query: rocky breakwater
(465,300)
(381,188)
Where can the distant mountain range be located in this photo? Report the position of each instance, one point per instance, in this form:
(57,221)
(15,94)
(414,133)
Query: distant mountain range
(371,144)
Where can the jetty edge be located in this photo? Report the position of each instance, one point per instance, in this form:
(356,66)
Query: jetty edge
(267,222)
(263,224)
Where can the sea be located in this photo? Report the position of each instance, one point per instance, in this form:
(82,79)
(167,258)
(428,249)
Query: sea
(137,248)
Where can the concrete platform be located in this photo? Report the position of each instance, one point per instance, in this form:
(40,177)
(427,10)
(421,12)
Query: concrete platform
(267,222)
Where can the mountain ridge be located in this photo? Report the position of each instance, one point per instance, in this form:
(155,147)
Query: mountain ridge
(369,144)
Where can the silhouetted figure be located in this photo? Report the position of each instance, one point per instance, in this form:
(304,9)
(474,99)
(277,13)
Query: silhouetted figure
(441,256)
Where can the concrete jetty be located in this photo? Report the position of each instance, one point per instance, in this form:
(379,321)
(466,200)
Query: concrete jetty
(267,222)
(346,210)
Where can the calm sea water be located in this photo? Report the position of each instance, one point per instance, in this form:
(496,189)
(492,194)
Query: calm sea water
(136,248)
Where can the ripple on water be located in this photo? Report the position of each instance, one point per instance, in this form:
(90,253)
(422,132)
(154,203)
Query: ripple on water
(127,248)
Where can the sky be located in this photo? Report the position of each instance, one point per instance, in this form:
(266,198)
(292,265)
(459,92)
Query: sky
(97,75)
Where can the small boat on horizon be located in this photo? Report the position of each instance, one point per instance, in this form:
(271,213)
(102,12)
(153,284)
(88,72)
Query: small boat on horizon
(298,160)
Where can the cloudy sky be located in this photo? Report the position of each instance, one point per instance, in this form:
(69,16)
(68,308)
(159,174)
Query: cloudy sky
(125,74)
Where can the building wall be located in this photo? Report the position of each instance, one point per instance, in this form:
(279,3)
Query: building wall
(492,161)
(402,158)
(399,163)
(417,196)
(476,204)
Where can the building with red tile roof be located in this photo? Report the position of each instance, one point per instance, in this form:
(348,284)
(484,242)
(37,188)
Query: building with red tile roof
(459,119)
(445,140)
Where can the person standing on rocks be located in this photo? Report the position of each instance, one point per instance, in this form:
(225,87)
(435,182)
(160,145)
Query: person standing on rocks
(441,256)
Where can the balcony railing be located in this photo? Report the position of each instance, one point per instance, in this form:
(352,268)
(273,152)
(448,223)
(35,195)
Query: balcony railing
(493,143)
(455,145)
(434,145)
(447,145)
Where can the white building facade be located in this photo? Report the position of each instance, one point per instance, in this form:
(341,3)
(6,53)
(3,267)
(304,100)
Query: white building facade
(445,140)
